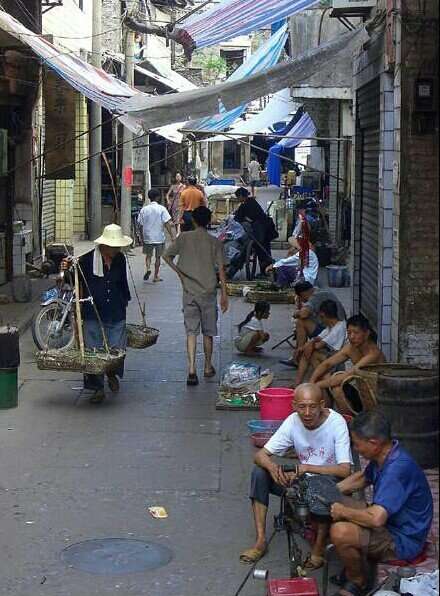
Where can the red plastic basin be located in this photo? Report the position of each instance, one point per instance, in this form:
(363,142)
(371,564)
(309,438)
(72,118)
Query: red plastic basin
(298,586)
(276,403)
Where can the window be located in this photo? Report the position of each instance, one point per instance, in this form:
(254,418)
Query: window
(233,58)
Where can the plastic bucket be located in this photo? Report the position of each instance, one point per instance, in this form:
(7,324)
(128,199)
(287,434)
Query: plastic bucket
(336,275)
(8,388)
(276,403)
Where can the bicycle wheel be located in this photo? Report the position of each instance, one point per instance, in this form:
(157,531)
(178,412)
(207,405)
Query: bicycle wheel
(46,330)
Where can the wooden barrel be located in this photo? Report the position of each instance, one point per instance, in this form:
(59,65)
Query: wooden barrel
(409,398)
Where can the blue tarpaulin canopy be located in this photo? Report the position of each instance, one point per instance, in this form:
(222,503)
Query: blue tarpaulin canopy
(264,58)
(304,128)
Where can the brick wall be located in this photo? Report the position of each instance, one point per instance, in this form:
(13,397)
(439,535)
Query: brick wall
(416,270)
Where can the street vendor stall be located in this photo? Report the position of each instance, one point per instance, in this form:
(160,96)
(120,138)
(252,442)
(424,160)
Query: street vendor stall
(222,201)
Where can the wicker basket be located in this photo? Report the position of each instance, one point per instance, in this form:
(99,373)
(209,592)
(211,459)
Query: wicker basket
(140,337)
(364,381)
(235,288)
(272,296)
(94,363)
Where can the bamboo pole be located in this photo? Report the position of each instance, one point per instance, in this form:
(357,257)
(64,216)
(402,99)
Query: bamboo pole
(78,314)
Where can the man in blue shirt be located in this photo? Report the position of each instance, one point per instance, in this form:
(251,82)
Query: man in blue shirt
(397,523)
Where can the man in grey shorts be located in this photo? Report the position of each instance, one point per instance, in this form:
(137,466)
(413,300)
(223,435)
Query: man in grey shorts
(200,256)
(153,219)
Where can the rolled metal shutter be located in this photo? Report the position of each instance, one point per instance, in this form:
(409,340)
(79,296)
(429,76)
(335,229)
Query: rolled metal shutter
(368,110)
(48,211)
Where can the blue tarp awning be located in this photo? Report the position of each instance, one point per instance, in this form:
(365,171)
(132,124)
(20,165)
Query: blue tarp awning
(304,128)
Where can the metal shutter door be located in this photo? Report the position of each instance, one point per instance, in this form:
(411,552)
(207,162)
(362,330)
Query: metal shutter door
(48,211)
(369,124)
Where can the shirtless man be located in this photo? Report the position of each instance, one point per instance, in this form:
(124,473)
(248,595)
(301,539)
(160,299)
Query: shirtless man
(361,350)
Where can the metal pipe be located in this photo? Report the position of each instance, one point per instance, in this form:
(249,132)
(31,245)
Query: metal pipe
(127,150)
(95,142)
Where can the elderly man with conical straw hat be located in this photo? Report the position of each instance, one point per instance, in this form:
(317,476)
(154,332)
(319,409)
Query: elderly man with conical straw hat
(104,276)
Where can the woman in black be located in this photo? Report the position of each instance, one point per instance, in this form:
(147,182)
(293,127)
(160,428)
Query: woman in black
(251,212)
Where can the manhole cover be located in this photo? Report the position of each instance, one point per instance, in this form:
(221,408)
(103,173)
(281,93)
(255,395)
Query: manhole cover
(116,556)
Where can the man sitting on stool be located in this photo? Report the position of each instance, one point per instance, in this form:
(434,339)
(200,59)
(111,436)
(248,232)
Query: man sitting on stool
(396,524)
(322,443)
(306,315)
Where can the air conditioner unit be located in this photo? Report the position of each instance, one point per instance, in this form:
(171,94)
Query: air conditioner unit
(354,4)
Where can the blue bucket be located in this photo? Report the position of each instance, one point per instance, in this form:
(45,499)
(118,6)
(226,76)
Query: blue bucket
(337,275)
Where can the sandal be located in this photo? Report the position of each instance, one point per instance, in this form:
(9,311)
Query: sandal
(210,373)
(192,380)
(352,589)
(313,562)
(252,555)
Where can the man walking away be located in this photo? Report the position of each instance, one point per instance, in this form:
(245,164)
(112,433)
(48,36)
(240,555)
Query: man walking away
(254,170)
(200,256)
(153,219)
(190,198)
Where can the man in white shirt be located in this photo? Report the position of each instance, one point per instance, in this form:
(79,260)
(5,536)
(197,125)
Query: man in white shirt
(325,344)
(254,170)
(153,219)
(321,440)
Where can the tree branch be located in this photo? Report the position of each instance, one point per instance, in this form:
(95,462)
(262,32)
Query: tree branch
(169,32)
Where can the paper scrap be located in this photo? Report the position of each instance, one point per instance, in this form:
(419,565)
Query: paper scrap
(158,512)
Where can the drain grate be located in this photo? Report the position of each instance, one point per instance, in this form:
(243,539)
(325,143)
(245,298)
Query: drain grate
(116,556)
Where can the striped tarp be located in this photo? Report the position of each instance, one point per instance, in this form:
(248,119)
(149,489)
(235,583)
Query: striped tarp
(232,18)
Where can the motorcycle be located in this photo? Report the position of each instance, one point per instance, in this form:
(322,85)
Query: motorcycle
(53,325)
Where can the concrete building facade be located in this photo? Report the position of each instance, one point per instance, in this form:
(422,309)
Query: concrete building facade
(395,231)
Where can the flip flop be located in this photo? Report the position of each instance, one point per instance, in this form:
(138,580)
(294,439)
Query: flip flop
(157,279)
(313,562)
(252,555)
(211,373)
(192,380)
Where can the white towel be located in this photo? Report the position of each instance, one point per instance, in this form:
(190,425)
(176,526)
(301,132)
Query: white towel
(98,268)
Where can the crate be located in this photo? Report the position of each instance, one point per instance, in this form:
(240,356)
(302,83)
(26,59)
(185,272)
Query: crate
(298,586)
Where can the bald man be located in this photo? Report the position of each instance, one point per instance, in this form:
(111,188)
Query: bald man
(321,440)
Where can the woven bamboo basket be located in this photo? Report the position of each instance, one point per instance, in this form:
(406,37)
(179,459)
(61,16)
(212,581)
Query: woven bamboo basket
(272,296)
(94,362)
(140,336)
(235,288)
(364,381)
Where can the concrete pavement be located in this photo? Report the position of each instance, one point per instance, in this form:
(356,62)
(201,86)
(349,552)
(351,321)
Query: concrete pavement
(71,471)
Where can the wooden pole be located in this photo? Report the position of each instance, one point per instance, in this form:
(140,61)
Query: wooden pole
(78,313)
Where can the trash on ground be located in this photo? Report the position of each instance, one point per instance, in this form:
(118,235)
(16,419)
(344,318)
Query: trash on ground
(158,512)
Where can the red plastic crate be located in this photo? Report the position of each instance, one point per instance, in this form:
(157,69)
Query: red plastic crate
(299,586)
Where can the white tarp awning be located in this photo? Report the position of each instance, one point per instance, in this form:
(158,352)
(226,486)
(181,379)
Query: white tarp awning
(189,105)
(280,108)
